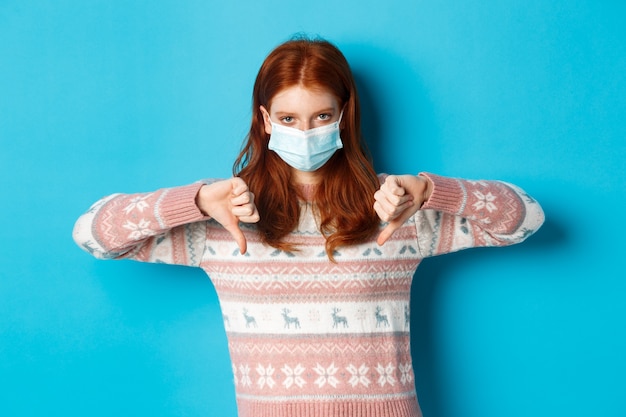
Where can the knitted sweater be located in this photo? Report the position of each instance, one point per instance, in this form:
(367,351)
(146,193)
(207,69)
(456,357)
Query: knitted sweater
(309,337)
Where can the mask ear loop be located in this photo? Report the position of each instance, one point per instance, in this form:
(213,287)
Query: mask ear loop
(340,117)
(343,109)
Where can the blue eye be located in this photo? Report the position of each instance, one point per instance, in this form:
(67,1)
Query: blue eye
(325,116)
(286,119)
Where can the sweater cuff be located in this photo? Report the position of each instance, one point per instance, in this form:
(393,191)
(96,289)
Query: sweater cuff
(447,194)
(178,206)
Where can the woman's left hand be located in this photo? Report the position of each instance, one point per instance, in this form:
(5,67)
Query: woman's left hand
(398,199)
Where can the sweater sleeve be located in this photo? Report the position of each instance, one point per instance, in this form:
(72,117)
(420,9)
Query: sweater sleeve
(163,226)
(462,214)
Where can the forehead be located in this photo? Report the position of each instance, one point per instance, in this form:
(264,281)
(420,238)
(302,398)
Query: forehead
(298,99)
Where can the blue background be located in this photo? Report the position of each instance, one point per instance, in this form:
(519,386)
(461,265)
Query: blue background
(99,97)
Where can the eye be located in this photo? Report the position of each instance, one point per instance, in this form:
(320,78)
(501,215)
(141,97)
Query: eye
(286,119)
(325,116)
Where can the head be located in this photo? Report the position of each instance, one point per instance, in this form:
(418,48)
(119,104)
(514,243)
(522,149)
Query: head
(303,69)
(314,66)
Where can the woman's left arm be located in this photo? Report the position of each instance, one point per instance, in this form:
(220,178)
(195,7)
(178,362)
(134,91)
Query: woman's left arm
(453,214)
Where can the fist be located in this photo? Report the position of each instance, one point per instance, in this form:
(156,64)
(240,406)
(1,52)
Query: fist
(398,198)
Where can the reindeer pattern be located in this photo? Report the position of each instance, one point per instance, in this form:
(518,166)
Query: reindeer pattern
(336,318)
(407,316)
(290,320)
(250,320)
(381,319)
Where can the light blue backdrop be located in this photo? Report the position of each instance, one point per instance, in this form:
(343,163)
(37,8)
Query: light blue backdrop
(99,97)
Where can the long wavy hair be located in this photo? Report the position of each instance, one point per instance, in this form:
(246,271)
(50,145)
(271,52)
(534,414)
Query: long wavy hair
(345,197)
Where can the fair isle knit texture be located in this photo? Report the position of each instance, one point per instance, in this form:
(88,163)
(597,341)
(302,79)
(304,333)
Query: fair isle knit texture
(309,337)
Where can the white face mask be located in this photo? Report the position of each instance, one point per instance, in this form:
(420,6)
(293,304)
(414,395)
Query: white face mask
(305,150)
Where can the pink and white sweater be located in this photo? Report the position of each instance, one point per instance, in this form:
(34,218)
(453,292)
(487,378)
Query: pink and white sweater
(309,337)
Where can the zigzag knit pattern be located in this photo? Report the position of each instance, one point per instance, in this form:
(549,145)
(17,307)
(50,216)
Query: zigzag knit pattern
(308,337)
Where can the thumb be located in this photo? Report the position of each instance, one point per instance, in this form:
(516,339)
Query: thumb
(237,234)
(388,231)
(394,225)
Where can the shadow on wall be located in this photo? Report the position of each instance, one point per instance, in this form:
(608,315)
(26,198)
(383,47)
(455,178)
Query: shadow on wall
(370,124)
(432,274)
(393,99)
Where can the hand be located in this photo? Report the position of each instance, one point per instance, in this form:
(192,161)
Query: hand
(229,202)
(398,199)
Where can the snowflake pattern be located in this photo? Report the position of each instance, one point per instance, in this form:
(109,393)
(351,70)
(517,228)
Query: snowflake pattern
(326,375)
(358,375)
(485,201)
(296,376)
(386,374)
(314,315)
(265,376)
(138,203)
(293,376)
(361,313)
(138,230)
(246,381)
(406,376)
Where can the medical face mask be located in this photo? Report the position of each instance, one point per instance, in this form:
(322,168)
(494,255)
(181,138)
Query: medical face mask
(305,150)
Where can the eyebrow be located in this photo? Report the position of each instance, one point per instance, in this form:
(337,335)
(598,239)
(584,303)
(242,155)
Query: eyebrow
(326,110)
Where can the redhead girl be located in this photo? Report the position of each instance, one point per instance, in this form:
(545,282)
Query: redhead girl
(311,252)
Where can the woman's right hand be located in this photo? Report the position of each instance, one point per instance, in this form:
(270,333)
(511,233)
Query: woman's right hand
(228,202)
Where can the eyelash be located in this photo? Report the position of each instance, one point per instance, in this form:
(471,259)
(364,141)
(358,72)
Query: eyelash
(321,116)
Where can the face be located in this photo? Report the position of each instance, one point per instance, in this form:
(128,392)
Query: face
(301,108)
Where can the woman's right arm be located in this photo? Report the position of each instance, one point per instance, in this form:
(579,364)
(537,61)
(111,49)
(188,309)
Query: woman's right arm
(167,225)
(149,227)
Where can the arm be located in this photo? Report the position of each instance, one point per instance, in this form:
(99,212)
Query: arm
(453,214)
(462,214)
(150,227)
(166,225)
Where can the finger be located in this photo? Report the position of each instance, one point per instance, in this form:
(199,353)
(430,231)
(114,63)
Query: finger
(393,185)
(247,213)
(238,185)
(245,209)
(386,233)
(395,197)
(394,209)
(241,199)
(387,210)
(378,209)
(394,224)
(238,235)
(253,218)
(383,214)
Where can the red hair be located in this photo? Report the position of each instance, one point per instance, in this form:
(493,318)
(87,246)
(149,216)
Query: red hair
(345,197)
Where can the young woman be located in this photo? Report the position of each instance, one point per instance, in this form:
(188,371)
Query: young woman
(311,253)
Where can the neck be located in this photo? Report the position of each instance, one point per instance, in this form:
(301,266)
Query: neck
(306,178)
(306,191)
